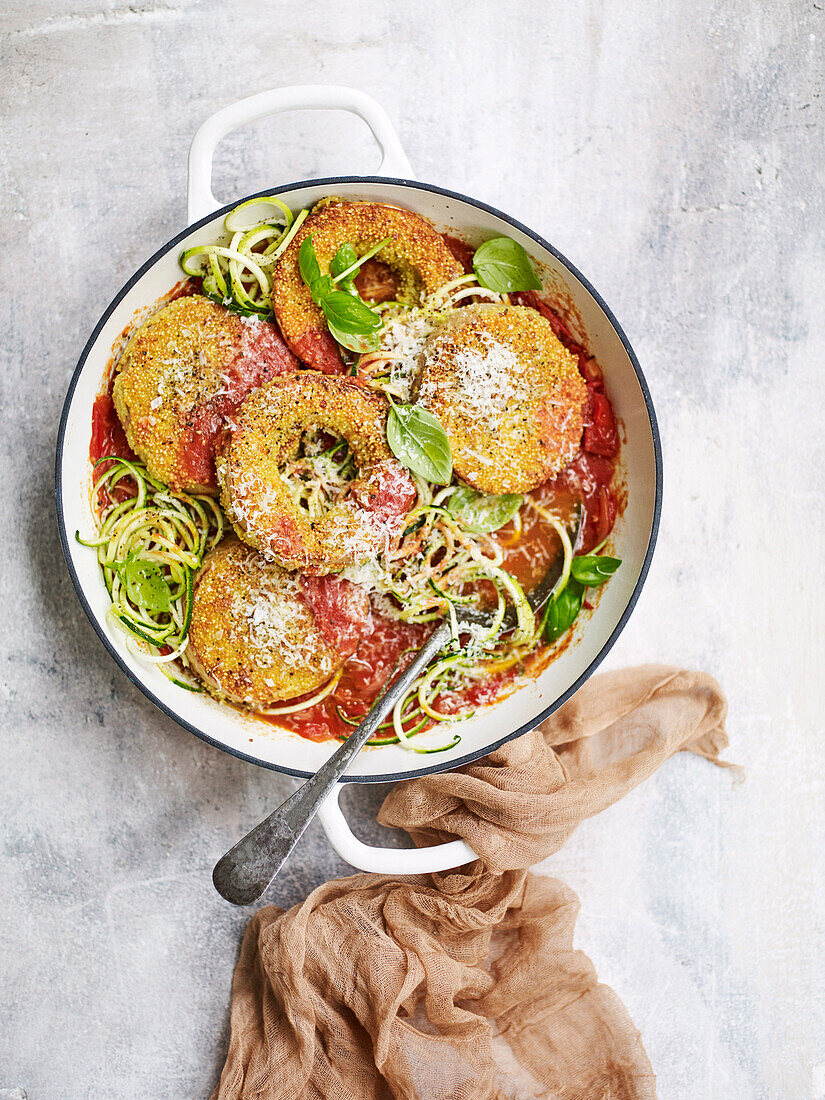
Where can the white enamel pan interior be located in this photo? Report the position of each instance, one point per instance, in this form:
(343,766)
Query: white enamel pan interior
(633,538)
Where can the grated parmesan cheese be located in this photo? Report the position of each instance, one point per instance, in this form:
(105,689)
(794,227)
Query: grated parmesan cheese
(280,626)
(370,575)
(488,381)
(402,343)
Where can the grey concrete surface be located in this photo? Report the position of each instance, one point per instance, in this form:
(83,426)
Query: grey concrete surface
(675,152)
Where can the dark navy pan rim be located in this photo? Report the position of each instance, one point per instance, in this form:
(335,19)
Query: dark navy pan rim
(485,750)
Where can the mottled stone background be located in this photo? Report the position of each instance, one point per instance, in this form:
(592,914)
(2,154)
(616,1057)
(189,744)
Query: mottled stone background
(674,151)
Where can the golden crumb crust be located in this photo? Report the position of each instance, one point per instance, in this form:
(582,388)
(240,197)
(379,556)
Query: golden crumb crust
(252,639)
(509,394)
(171,364)
(181,372)
(266,433)
(416,253)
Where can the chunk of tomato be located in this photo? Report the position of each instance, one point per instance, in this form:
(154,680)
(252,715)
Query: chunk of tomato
(600,435)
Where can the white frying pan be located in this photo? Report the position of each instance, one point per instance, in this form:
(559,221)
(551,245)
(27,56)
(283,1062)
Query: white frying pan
(633,538)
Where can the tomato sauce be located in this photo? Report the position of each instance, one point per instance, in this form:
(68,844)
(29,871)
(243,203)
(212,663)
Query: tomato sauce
(377,282)
(389,497)
(260,354)
(461,250)
(108,438)
(589,477)
(385,649)
(185,289)
(481,694)
(341,610)
(530,551)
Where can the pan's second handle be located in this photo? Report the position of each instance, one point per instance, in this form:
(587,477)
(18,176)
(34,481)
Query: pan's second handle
(319,97)
(388,861)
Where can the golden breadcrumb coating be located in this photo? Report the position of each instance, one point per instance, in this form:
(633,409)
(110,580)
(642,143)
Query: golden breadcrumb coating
(183,370)
(265,434)
(508,393)
(252,638)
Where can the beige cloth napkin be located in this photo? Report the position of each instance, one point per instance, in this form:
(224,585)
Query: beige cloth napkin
(465,985)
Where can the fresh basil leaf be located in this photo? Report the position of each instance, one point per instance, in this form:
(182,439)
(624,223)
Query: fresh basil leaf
(308,264)
(356,262)
(563,609)
(502,264)
(146,585)
(348,286)
(349,314)
(592,570)
(345,257)
(417,439)
(483,513)
(321,288)
(346,314)
(371,341)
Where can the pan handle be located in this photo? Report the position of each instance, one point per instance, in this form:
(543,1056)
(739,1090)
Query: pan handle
(388,861)
(319,97)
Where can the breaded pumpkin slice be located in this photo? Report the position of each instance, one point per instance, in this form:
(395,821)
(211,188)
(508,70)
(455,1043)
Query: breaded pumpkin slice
(260,635)
(509,394)
(417,254)
(264,437)
(183,371)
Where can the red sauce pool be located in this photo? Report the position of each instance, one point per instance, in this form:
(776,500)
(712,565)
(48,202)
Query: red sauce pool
(384,651)
(381,650)
(108,438)
(461,250)
(589,477)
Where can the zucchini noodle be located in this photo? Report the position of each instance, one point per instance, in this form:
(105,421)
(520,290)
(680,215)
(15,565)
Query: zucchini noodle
(392,366)
(567,545)
(294,708)
(150,545)
(317,478)
(238,274)
(439,567)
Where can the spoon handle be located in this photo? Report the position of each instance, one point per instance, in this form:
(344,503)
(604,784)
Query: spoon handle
(244,873)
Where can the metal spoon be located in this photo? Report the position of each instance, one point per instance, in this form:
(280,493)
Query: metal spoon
(244,873)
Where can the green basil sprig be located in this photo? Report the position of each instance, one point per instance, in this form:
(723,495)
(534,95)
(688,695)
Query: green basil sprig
(308,264)
(483,513)
(344,259)
(593,570)
(370,341)
(347,315)
(502,264)
(418,440)
(146,585)
(586,571)
(563,609)
(349,262)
